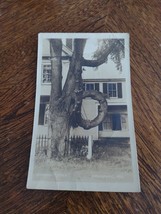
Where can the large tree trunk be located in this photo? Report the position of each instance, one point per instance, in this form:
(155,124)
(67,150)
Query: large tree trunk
(62,101)
(60,131)
(65,104)
(58,120)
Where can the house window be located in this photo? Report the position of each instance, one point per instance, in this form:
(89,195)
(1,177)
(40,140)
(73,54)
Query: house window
(113,89)
(91,86)
(46,78)
(43,110)
(124,123)
(114,122)
(107,124)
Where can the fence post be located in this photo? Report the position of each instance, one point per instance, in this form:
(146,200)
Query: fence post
(41,144)
(70,145)
(37,146)
(66,146)
(45,145)
(90,144)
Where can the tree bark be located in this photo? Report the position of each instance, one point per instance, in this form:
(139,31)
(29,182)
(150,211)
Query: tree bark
(60,131)
(61,106)
(65,104)
(58,119)
(75,68)
(102,58)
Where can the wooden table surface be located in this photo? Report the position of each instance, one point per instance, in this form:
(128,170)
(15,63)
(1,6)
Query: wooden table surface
(21,21)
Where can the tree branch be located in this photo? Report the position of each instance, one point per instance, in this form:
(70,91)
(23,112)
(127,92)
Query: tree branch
(101,98)
(102,59)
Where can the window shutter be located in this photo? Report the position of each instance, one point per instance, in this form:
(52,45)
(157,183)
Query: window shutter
(105,88)
(84,86)
(43,101)
(100,127)
(41,114)
(119,88)
(97,86)
(116,122)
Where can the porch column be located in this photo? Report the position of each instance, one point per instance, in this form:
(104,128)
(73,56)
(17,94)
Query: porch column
(90,144)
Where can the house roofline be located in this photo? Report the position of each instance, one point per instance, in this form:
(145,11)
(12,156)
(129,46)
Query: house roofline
(105,80)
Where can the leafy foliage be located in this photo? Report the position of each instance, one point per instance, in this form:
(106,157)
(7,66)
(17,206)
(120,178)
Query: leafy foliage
(116,55)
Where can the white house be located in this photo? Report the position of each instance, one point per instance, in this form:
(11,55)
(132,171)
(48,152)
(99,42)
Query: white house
(106,78)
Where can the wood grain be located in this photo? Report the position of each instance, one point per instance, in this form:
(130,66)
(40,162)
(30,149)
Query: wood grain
(21,21)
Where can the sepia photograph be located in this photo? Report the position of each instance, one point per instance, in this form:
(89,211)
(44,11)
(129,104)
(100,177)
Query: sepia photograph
(83,133)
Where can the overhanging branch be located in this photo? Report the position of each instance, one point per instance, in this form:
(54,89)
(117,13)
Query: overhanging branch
(102,59)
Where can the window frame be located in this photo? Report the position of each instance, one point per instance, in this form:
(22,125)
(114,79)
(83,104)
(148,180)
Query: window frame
(116,91)
(110,122)
(107,89)
(46,64)
(118,86)
(124,124)
(93,83)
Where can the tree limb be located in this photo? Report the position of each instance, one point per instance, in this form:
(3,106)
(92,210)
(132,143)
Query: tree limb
(101,98)
(102,59)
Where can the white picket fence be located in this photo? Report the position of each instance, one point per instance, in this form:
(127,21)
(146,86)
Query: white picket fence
(43,143)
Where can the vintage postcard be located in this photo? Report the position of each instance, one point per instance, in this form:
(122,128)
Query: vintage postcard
(83,134)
